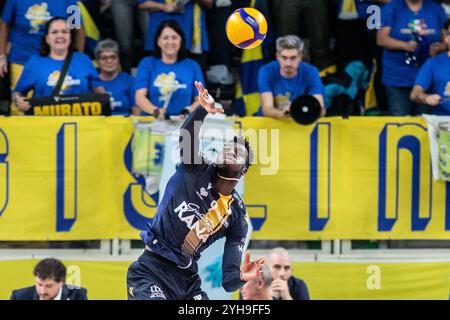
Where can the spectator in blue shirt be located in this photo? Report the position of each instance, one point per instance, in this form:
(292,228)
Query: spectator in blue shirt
(190,16)
(410,33)
(432,86)
(41,72)
(283,80)
(165,83)
(120,85)
(23,23)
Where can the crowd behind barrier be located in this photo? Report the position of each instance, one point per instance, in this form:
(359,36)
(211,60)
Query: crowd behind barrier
(374,56)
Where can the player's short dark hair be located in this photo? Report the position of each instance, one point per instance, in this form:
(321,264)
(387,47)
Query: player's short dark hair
(447,25)
(50,269)
(244,142)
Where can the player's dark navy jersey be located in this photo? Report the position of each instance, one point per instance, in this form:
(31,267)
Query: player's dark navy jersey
(193,214)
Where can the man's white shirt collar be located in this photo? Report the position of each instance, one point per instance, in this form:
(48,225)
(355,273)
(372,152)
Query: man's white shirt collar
(58,296)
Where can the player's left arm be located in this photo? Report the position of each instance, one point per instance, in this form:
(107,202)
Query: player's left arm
(232,256)
(233,274)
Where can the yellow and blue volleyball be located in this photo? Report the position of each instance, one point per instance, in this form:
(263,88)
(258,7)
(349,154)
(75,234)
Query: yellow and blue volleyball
(246,28)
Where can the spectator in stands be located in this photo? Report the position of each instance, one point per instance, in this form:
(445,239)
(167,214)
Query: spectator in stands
(5,91)
(41,72)
(123,13)
(288,15)
(446,5)
(259,288)
(281,81)
(284,285)
(356,40)
(119,84)
(50,278)
(165,82)
(410,34)
(216,18)
(190,16)
(432,86)
(26,20)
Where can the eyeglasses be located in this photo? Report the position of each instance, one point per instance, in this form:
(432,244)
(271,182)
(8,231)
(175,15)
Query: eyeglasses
(105,58)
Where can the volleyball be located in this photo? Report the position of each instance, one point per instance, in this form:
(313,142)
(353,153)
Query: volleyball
(246,28)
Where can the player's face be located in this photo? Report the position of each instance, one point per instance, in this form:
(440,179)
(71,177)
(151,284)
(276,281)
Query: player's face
(250,290)
(58,37)
(232,159)
(289,60)
(169,41)
(108,61)
(47,289)
(280,267)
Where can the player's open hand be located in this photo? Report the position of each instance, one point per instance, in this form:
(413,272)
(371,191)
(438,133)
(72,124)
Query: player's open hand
(206,100)
(251,269)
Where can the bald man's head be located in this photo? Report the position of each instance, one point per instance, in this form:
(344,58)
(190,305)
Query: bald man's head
(280,263)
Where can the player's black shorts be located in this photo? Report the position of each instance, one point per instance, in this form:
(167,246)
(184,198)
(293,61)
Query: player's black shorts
(153,277)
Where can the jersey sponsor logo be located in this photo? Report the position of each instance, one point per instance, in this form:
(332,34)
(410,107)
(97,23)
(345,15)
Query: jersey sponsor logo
(156,292)
(38,15)
(130,291)
(203,192)
(418,26)
(68,81)
(114,103)
(447,90)
(202,226)
(239,200)
(167,84)
(242,246)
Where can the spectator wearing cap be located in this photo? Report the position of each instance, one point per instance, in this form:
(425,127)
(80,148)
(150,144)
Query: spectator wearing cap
(50,278)
(120,85)
(283,80)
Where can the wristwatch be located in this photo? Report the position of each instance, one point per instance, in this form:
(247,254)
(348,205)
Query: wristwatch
(185,112)
(156,112)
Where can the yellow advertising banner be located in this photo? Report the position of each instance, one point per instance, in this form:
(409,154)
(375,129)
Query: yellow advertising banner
(67,178)
(106,280)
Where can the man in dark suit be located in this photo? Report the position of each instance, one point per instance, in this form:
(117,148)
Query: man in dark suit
(50,277)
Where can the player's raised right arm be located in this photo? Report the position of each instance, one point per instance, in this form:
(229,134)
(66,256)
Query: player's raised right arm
(189,135)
